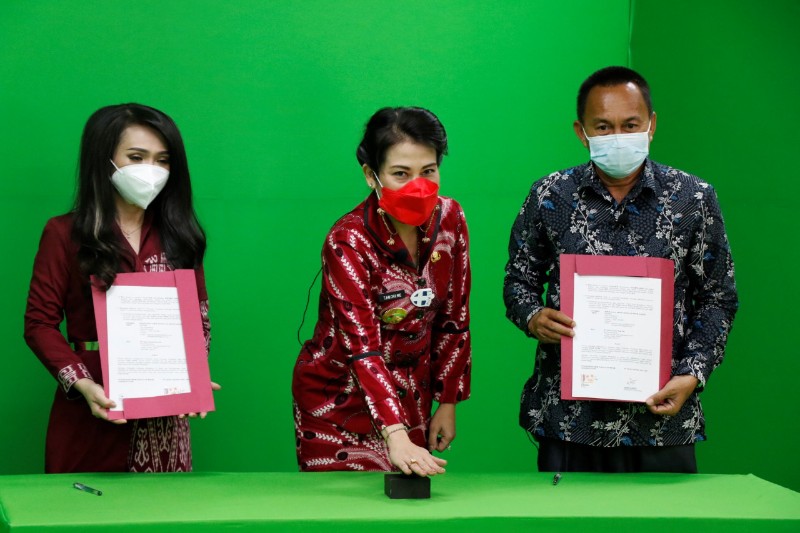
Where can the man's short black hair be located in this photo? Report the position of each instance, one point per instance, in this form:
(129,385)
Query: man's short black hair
(608,77)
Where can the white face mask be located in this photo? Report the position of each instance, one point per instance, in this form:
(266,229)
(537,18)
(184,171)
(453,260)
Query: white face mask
(139,184)
(619,155)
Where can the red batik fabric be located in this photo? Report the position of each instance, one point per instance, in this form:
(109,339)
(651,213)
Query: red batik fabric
(76,441)
(361,371)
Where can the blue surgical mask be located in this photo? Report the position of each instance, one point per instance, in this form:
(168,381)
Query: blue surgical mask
(619,155)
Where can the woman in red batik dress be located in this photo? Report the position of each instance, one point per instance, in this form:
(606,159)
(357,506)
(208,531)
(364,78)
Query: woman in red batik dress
(393,329)
(133,213)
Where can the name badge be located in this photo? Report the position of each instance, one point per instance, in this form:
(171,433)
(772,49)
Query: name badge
(390,296)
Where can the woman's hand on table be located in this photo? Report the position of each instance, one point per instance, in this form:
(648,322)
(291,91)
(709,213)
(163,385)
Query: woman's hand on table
(408,457)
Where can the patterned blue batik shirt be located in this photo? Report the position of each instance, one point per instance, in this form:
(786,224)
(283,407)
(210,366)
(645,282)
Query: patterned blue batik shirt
(668,214)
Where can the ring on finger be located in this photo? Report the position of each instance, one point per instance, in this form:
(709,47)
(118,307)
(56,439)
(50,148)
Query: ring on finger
(412,461)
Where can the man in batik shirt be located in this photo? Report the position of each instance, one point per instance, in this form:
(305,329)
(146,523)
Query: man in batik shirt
(620,203)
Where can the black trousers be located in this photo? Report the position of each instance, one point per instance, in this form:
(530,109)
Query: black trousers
(560,456)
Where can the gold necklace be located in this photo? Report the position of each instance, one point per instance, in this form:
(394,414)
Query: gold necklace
(424,231)
(130,233)
(390,240)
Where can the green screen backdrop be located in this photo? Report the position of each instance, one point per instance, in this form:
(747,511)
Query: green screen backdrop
(725,78)
(271,98)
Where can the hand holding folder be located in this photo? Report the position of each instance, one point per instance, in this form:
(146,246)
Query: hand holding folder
(148,344)
(622,344)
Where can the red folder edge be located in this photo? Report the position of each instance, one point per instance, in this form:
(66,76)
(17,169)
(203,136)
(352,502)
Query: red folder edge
(201,398)
(612,265)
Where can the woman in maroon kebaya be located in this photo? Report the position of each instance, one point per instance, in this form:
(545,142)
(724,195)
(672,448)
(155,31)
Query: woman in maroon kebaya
(133,213)
(392,334)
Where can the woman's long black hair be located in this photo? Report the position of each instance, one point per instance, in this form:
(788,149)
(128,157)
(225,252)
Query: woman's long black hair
(182,237)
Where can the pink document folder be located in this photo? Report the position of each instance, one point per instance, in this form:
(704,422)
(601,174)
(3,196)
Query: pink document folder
(610,265)
(200,399)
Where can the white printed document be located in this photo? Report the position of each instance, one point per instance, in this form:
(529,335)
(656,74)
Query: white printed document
(146,354)
(616,348)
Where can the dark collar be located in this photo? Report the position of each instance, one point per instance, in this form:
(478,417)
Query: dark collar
(588,178)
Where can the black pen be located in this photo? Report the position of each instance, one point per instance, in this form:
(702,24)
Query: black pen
(556,478)
(90,490)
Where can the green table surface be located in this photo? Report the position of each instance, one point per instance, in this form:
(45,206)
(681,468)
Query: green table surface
(334,501)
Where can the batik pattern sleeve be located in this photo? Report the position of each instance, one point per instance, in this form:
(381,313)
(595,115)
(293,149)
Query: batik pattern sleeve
(202,295)
(346,280)
(45,309)
(713,297)
(206,325)
(451,347)
(528,262)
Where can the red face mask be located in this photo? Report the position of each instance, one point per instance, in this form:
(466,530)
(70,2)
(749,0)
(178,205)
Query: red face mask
(412,203)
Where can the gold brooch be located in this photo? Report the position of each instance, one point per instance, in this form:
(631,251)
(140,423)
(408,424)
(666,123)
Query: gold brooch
(394,315)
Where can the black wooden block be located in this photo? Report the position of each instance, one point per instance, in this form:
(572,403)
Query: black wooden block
(401,486)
